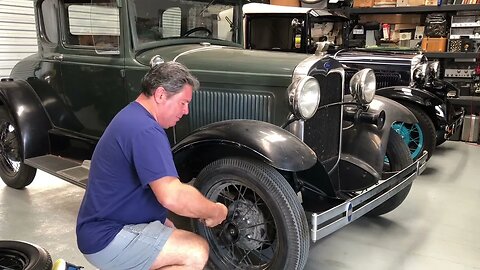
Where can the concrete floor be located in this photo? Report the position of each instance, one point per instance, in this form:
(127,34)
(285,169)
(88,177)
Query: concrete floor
(435,228)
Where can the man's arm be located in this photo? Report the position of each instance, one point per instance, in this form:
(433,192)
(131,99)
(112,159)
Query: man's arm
(185,200)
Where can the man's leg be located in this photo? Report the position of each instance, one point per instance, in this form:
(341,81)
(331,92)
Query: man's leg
(183,250)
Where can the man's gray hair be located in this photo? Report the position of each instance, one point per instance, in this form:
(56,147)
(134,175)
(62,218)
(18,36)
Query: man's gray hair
(172,76)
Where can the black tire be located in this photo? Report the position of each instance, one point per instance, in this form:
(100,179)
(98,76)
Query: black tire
(20,255)
(13,171)
(254,193)
(399,158)
(427,127)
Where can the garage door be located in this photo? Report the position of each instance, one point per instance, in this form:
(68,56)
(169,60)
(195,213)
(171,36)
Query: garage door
(17,33)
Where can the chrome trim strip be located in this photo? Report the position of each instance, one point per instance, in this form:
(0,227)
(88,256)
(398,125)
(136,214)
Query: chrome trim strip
(422,162)
(201,49)
(341,215)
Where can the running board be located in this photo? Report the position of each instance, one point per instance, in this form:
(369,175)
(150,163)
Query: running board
(69,170)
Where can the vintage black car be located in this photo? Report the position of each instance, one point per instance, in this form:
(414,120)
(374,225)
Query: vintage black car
(406,77)
(271,135)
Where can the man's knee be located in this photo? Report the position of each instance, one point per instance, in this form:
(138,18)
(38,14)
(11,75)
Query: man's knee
(200,252)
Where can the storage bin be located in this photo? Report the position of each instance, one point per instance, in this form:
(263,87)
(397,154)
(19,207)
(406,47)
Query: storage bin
(434,44)
(470,129)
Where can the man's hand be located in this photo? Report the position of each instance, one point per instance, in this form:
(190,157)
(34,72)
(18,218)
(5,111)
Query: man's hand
(218,216)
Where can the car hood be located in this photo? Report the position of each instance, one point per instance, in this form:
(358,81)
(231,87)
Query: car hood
(225,64)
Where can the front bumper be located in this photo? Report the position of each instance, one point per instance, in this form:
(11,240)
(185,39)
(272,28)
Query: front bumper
(335,218)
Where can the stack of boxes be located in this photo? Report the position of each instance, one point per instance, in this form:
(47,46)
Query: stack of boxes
(398,30)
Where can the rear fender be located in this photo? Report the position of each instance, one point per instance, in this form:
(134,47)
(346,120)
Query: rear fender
(243,138)
(26,110)
(364,145)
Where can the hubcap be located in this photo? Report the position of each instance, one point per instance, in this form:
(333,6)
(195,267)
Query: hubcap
(9,154)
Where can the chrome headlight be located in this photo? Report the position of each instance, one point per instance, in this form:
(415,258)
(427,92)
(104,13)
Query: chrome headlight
(363,85)
(434,69)
(304,97)
(419,73)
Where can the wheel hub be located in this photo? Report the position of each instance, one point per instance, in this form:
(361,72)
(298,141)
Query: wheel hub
(9,154)
(247,228)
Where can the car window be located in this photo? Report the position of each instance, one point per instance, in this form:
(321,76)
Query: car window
(265,34)
(173,19)
(48,21)
(93,25)
(171,22)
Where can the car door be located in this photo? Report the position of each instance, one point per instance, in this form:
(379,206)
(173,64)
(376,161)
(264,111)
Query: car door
(92,64)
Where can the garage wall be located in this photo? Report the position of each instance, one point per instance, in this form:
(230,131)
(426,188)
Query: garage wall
(17,33)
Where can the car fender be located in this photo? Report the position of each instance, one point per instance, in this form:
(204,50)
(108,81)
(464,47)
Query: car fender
(428,101)
(23,104)
(417,96)
(243,138)
(364,145)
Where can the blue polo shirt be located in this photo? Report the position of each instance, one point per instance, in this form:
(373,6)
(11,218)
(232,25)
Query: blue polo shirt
(133,151)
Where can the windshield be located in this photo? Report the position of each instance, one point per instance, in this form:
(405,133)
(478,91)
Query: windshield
(159,20)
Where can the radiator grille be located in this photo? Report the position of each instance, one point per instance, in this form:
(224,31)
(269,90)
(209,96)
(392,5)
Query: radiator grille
(384,79)
(209,106)
(322,132)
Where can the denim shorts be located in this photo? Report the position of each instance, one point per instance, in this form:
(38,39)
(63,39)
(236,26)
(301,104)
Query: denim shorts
(135,247)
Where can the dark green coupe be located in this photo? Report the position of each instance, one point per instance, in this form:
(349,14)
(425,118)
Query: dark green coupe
(271,135)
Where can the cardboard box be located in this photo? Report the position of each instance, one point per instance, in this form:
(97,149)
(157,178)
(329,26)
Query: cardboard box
(292,3)
(416,2)
(380,3)
(391,18)
(363,3)
(434,44)
(404,26)
(407,3)
(413,43)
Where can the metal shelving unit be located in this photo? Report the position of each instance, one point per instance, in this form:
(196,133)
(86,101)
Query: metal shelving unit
(472,55)
(444,57)
(416,9)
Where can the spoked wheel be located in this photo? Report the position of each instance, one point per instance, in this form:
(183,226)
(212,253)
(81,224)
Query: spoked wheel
(266,227)
(397,158)
(420,136)
(17,255)
(412,135)
(12,169)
